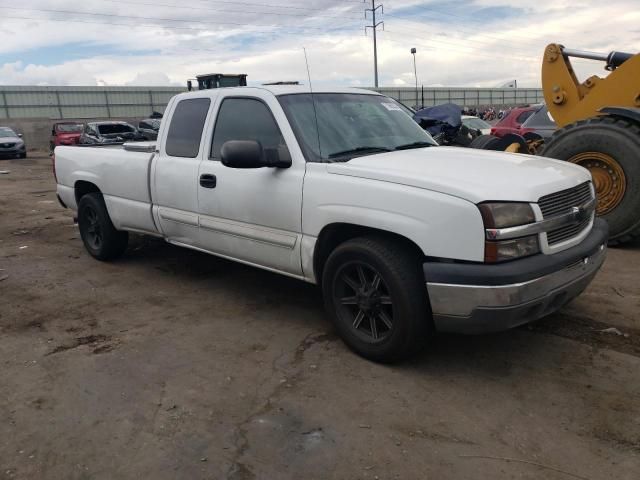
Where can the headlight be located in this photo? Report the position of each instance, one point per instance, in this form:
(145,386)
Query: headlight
(504,215)
(508,214)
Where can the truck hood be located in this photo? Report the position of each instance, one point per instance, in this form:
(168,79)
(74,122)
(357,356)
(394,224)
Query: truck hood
(474,175)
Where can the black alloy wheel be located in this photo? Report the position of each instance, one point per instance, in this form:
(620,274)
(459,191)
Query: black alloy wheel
(93,231)
(374,291)
(364,301)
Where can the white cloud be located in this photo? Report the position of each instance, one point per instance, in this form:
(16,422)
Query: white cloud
(454,47)
(151,79)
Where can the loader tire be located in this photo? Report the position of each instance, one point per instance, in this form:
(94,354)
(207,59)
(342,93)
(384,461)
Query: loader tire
(609,147)
(484,142)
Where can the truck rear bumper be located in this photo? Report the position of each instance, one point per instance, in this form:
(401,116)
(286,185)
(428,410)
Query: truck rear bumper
(476,298)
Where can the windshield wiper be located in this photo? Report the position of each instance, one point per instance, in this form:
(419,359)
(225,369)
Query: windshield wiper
(409,146)
(360,150)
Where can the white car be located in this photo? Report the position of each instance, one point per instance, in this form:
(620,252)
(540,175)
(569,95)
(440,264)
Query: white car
(341,188)
(476,123)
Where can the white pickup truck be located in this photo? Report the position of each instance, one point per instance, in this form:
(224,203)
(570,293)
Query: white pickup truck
(343,189)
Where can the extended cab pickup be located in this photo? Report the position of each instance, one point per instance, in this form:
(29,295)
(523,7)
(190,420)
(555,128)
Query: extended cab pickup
(343,189)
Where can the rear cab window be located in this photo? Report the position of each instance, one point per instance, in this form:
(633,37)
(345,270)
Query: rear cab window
(187,125)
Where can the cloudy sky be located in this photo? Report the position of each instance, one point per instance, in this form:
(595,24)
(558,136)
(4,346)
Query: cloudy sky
(164,42)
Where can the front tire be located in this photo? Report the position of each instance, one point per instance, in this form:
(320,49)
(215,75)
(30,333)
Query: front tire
(375,293)
(100,237)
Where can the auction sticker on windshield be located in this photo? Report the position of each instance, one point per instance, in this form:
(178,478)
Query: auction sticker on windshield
(391,106)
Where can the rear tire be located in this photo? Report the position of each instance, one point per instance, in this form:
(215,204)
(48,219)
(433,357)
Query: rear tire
(610,148)
(99,236)
(375,293)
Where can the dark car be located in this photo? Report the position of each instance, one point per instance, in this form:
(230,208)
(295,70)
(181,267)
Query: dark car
(541,122)
(11,144)
(149,128)
(444,123)
(512,121)
(65,133)
(104,133)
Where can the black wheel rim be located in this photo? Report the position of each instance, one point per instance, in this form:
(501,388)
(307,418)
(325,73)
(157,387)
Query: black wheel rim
(363,301)
(93,232)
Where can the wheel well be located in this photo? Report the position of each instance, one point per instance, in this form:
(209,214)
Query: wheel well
(336,233)
(83,187)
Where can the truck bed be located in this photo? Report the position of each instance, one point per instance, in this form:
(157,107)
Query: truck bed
(120,172)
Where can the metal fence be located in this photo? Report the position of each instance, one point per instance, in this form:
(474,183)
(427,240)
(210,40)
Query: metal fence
(131,102)
(467,97)
(83,102)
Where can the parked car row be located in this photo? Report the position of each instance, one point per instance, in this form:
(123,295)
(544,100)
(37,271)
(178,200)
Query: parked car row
(450,126)
(102,132)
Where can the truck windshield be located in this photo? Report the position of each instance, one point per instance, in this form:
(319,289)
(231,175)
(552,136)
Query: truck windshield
(7,133)
(350,125)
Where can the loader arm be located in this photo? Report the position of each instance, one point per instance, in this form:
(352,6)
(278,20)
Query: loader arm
(569,100)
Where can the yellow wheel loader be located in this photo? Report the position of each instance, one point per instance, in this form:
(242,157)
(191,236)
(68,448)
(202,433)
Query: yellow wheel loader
(599,129)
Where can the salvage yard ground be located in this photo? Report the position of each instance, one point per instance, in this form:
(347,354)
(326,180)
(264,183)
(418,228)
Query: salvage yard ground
(171,364)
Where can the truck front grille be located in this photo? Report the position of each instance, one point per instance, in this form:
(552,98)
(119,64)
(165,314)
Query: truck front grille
(562,202)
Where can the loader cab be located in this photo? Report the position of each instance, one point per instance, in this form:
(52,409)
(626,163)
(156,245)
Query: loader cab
(218,80)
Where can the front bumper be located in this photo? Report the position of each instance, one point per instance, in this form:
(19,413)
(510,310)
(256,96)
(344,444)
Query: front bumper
(479,298)
(13,151)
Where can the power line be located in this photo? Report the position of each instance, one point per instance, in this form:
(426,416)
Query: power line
(268,5)
(181,7)
(492,39)
(463,17)
(143,25)
(110,15)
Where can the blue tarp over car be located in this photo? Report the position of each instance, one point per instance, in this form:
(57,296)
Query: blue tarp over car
(440,118)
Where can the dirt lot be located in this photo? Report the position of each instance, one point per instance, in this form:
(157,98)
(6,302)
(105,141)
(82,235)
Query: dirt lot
(171,364)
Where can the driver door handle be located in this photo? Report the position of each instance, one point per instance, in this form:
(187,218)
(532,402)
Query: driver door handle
(207,180)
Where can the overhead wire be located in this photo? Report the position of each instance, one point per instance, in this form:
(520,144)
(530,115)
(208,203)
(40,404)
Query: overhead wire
(156,26)
(191,8)
(159,19)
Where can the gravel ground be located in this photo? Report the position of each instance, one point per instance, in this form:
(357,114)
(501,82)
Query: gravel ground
(171,364)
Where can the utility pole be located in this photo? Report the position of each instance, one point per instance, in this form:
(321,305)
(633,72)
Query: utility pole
(373,26)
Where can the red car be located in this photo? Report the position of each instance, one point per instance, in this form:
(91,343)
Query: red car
(512,122)
(65,133)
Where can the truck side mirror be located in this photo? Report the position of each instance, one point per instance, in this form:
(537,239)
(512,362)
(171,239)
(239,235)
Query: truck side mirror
(250,154)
